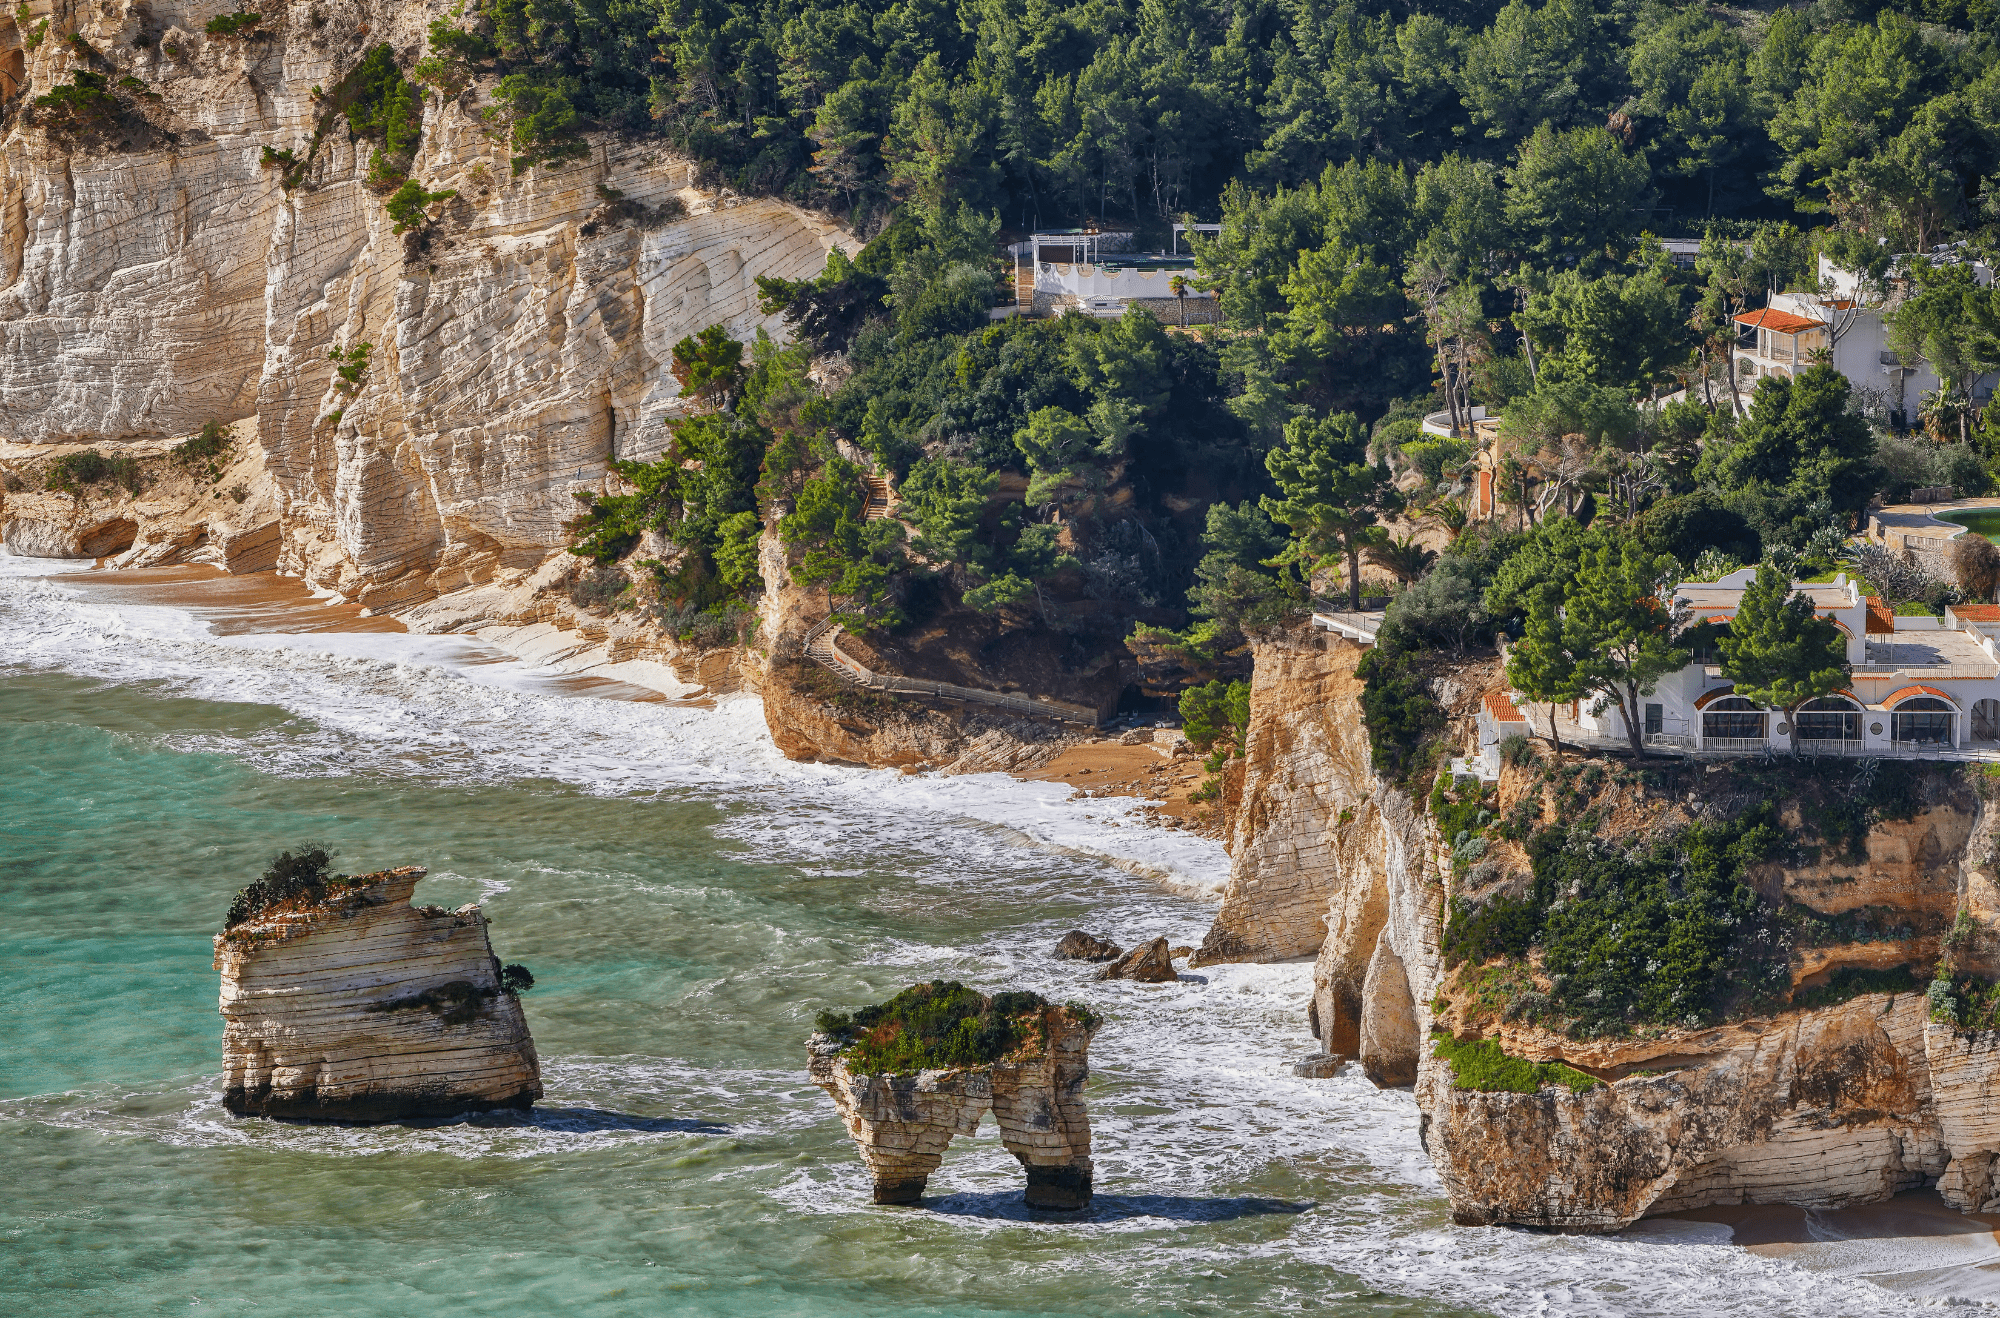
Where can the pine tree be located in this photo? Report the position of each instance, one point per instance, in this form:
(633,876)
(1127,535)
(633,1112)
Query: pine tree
(1778,651)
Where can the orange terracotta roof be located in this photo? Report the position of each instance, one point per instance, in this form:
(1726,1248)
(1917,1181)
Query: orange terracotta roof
(1720,617)
(1779,322)
(1716,694)
(1908,691)
(1977,612)
(1881,618)
(1502,709)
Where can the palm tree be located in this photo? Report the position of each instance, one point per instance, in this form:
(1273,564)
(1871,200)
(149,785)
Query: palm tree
(1178,285)
(1407,559)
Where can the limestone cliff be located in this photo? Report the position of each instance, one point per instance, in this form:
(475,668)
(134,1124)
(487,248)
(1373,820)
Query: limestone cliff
(1812,1091)
(362,1007)
(161,273)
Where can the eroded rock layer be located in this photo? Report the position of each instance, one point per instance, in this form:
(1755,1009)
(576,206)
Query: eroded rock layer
(163,272)
(362,1007)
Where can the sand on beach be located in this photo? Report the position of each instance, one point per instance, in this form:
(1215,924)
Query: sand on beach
(1915,1243)
(1148,771)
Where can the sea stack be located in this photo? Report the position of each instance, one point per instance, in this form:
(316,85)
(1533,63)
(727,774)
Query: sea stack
(909,1074)
(343,1002)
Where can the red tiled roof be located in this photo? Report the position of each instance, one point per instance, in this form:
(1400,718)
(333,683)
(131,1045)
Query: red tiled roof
(1908,691)
(1881,618)
(1502,709)
(1977,612)
(1780,322)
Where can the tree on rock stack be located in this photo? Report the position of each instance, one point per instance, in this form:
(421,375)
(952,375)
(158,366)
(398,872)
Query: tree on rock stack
(908,1074)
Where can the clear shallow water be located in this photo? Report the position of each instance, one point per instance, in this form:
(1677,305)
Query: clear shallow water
(687,900)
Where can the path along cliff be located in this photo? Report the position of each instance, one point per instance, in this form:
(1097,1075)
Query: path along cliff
(1835,1047)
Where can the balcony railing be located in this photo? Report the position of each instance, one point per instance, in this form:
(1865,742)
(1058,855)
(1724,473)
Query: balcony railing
(1735,745)
(1830,746)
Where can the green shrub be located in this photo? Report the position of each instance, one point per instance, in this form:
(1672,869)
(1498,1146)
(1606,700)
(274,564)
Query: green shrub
(31,37)
(1481,1066)
(599,588)
(82,105)
(71,472)
(410,205)
(1504,926)
(202,449)
(1517,750)
(305,874)
(938,1025)
(351,365)
(233,25)
(1399,711)
(516,979)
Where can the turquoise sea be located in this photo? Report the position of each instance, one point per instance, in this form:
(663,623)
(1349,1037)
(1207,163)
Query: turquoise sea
(687,901)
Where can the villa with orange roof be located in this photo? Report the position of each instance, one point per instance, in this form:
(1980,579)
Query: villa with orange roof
(1919,686)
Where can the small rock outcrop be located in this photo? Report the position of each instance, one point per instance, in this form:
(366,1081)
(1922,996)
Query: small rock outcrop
(1149,963)
(1077,945)
(350,1004)
(902,1111)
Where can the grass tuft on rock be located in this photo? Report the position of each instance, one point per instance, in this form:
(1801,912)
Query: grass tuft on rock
(305,874)
(1481,1066)
(939,1025)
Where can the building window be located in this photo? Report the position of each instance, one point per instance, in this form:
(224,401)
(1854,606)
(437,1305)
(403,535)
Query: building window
(1656,720)
(1732,718)
(1829,720)
(1923,721)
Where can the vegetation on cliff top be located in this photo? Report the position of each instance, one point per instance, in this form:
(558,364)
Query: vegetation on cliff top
(1480,1065)
(1664,928)
(941,1024)
(303,874)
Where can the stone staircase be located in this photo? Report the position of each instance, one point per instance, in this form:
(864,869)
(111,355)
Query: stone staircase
(823,649)
(880,497)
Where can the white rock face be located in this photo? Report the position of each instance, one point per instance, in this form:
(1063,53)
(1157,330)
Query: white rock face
(363,1007)
(155,282)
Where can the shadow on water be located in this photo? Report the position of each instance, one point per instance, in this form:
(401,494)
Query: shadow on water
(1009,1205)
(591,1120)
(566,1120)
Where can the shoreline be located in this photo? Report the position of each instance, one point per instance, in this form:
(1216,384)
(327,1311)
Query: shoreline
(265,603)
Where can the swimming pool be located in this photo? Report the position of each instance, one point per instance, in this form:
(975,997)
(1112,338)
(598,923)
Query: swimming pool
(1980,521)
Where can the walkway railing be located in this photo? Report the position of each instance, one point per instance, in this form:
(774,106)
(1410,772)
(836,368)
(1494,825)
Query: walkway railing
(822,648)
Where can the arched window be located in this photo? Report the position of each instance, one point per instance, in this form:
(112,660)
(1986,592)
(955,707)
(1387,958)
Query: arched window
(1831,718)
(1732,718)
(1923,721)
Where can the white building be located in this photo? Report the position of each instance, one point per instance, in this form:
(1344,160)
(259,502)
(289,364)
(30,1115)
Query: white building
(1919,686)
(1099,274)
(1781,339)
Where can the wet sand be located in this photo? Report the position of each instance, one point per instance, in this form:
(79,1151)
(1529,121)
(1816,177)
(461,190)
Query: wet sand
(1107,768)
(266,604)
(232,605)
(1914,1244)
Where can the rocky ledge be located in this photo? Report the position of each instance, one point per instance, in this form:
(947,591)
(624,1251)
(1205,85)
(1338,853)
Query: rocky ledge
(902,1114)
(350,1004)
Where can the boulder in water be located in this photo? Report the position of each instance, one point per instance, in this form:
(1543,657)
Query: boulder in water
(343,1002)
(1077,945)
(1149,963)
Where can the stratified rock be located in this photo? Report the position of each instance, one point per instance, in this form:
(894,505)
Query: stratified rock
(1077,945)
(1822,1109)
(1149,963)
(902,1124)
(362,1007)
(1389,1031)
